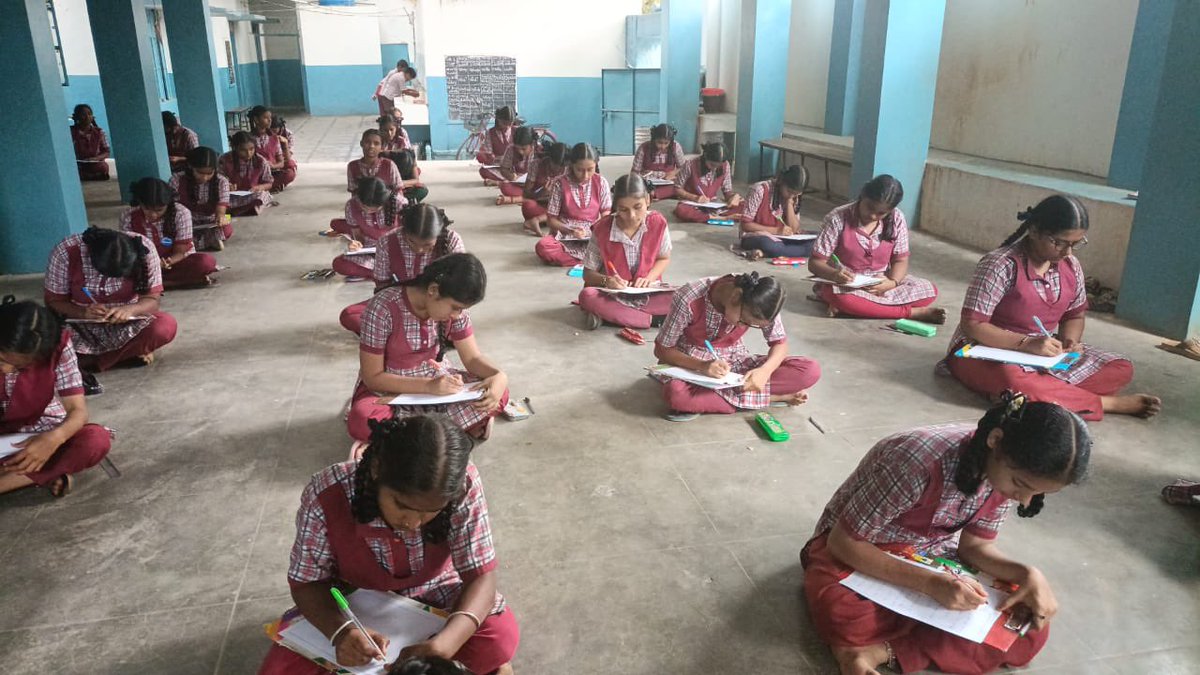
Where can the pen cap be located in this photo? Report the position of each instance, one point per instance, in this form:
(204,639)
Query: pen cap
(340,599)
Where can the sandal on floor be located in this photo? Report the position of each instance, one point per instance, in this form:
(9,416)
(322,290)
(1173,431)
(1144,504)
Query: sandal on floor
(1182,492)
(91,386)
(1189,348)
(61,487)
(676,416)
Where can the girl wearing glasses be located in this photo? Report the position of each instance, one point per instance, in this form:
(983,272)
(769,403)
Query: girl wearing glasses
(719,311)
(1034,277)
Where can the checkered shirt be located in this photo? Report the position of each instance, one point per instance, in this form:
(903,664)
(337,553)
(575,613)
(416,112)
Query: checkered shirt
(706,178)
(890,480)
(674,156)
(384,169)
(183,225)
(470,540)
(737,355)
(67,382)
(411,263)
(202,214)
(510,161)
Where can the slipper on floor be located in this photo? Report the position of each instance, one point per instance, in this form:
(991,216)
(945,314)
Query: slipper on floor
(1189,348)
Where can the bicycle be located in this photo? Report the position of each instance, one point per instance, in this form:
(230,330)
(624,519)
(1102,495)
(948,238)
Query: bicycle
(477,127)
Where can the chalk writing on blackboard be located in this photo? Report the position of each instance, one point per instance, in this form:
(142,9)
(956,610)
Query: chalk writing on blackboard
(477,85)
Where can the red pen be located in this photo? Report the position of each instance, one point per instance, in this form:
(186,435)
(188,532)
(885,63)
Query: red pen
(611,270)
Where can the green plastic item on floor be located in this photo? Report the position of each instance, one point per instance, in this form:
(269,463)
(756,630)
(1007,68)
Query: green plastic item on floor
(916,328)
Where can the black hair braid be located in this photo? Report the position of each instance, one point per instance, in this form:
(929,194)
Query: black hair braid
(1056,213)
(763,296)
(140,271)
(364,505)
(442,247)
(29,328)
(794,178)
(1023,217)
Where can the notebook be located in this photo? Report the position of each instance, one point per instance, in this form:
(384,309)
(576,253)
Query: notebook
(985,624)
(705,205)
(520,180)
(631,290)
(796,237)
(859,281)
(366,250)
(404,621)
(1061,362)
(132,318)
(241,193)
(690,376)
(437,399)
(6,443)
(660,182)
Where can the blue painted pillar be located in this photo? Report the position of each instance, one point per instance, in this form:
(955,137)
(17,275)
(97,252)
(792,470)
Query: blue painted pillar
(762,81)
(845,47)
(1140,95)
(1160,288)
(40,197)
(130,94)
(679,95)
(197,80)
(900,47)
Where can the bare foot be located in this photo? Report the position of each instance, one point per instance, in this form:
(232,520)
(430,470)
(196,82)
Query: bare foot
(505,669)
(860,660)
(489,182)
(533,228)
(798,398)
(1138,405)
(929,315)
(754,255)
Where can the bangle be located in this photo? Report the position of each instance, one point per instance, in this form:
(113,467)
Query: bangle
(1024,339)
(333,638)
(469,615)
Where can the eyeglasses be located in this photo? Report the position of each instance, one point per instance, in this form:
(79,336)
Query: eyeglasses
(1064,245)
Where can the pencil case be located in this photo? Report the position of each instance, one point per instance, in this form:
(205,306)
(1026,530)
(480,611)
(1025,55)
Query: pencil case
(576,271)
(772,427)
(915,328)
(783,262)
(723,222)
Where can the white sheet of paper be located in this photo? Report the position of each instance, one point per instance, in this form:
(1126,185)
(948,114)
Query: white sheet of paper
(490,166)
(630,290)
(6,443)
(860,281)
(404,621)
(705,205)
(431,399)
(972,625)
(520,180)
(132,318)
(574,239)
(1013,356)
(729,381)
(797,237)
(366,250)
(241,193)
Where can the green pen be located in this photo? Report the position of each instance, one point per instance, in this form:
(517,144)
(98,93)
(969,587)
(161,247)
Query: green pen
(345,607)
(835,260)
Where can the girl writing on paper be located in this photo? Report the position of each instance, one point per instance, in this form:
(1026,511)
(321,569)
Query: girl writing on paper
(403,253)
(513,165)
(402,331)
(274,147)
(659,159)
(719,311)
(496,141)
(248,172)
(205,194)
(578,199)
(544,171)
(113,282)
(773,211)
(180,140)
(1035,276)
(91,145)
(944,490)
(701,180)
(370,214)
(42,395)
(869,237)
(630,248)
(372,164)
(154,213)
(409,517)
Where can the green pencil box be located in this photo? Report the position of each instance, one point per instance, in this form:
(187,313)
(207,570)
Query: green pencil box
(915,328)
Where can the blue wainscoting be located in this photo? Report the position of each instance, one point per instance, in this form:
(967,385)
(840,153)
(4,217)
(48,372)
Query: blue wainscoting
(341,90)
(287,87)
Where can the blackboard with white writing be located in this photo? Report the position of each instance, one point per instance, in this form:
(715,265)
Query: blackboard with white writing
(477,85)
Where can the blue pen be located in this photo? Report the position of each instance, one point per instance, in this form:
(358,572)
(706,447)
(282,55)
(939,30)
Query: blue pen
(710,349)
(88,294)
(1042,327)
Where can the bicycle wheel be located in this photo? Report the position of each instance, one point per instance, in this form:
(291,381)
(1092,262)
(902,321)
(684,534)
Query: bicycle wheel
(469,147)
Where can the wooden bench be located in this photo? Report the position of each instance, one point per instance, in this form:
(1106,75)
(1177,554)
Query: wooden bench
(238,119)
(828,154)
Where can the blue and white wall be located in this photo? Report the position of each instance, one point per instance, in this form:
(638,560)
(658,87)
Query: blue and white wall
(560,48)
(340,58)
(247,88)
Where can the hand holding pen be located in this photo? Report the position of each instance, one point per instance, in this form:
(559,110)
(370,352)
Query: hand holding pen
(841,274)
(717,367)
(355,644)
(954,591)
(95,310)
(1046,345)
(613,280)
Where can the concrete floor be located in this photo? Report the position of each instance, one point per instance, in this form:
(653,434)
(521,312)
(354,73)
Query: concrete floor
(628,544)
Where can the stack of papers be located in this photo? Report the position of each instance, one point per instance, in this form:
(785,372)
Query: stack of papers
(797,237)
(705,205)
(405,622)
(241,193)
(692,377)
(8,443)
(366,250)
(859,281)
(631,290)
(1061,362)
(660,182)
(437,399)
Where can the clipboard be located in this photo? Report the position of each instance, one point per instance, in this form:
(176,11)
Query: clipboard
(1060,363)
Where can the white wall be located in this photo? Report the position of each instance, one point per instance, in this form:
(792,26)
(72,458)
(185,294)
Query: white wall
(731,29)
(808,62)
(548,38)
(394,27)
(78,49)
(1033,82)
(349,36)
